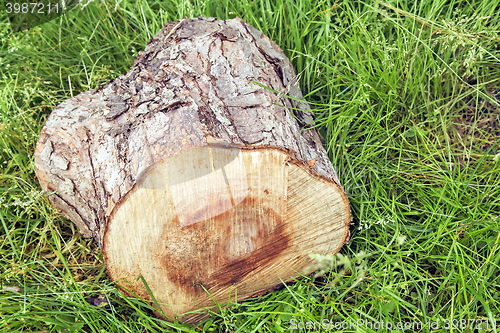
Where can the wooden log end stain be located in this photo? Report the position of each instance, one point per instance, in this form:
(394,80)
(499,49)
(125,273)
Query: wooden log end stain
(312,162)
(189,267)
(275,244)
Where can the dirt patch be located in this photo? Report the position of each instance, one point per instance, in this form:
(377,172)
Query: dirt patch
(478,125)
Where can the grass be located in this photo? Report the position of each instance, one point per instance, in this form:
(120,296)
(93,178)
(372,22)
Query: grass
(406,95)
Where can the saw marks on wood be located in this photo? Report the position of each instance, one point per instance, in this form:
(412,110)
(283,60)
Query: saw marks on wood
(221,218)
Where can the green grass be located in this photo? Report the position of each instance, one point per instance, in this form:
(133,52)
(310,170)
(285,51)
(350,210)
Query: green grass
(406,96)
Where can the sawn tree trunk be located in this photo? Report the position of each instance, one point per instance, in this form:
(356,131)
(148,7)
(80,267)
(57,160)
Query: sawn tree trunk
(188,173)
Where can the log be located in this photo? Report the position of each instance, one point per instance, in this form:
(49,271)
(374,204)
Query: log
(188,173)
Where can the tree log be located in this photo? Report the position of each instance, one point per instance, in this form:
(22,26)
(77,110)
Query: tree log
(188,174)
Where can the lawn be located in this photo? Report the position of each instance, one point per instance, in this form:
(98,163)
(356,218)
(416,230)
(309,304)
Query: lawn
(406,96)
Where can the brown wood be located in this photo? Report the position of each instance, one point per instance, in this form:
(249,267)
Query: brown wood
(191,176)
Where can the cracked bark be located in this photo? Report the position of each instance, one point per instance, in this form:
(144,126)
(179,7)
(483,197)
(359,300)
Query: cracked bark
(118,160)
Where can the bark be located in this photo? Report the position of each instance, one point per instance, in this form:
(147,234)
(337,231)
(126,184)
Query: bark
(191,88)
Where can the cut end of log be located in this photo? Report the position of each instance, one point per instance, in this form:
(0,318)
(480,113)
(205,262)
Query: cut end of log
(219,218)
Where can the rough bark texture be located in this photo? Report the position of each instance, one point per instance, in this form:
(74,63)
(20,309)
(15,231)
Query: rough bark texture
(190,88)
